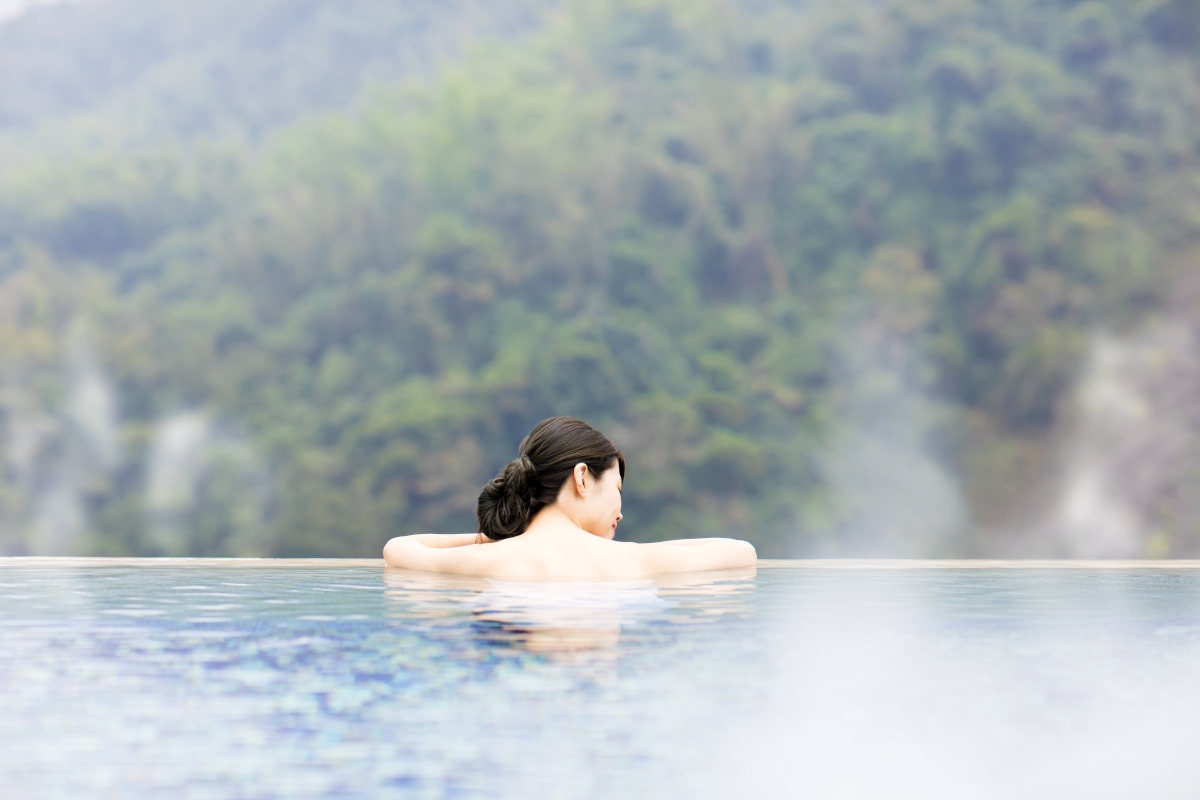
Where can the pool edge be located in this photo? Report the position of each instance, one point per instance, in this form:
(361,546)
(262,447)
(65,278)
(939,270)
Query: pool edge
(763,563)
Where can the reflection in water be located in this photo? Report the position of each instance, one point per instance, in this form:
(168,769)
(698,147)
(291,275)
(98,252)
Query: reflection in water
(574,620)
(562,618)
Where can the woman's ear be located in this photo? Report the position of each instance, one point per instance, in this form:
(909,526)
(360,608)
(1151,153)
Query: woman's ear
(580,474)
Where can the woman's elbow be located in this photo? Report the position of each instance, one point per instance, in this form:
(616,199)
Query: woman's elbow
(393,551)
(747,556)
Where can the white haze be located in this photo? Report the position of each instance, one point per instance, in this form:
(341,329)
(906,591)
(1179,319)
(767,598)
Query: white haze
(873,698)
(1134,445)
(54,456)
(14,9)
(1122,479)
(59,456)
(188,457)
(895,495)
(176,462)
(92,405)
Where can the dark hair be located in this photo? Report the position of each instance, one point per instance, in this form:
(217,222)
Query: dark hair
(545,460)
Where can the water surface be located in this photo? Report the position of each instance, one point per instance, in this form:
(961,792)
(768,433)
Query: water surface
(244,681)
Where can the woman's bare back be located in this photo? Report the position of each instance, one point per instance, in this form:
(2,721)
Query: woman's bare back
(559,552)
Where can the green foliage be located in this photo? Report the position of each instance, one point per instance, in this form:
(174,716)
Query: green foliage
(711,231)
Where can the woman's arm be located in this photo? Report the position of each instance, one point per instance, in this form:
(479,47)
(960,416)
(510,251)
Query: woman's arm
(694,555)
(427,551)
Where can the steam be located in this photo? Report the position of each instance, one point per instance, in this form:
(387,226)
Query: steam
(54,457)
(208,492)
(13,9)
(901,502)
(893,495)
(28,437)
(176,462)
(874,696)
(92,406)
(1134,444)
(1123,485)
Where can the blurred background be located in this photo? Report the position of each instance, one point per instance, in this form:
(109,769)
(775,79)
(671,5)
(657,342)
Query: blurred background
(858,278)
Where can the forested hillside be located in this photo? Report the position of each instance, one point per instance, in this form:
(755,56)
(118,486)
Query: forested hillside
(825,271)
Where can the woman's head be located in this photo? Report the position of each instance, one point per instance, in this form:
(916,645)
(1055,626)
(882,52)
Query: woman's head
(561,456)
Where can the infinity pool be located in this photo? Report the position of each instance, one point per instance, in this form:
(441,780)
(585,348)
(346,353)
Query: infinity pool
(228,679)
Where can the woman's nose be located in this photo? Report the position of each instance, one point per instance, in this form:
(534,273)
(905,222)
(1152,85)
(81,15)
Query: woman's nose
(620,516)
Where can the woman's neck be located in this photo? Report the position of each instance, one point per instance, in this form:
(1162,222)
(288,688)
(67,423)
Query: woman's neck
(553,520)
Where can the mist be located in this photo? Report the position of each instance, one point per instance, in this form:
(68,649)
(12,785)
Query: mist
(881,690)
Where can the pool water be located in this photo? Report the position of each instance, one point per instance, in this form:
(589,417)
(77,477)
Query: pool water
(239,680)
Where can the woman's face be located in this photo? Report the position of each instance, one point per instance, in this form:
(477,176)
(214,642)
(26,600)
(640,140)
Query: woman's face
(602,505)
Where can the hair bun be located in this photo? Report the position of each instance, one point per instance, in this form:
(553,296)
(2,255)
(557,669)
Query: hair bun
(505,505)
(519,476)
(527,467)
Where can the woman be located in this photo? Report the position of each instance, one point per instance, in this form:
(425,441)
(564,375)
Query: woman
(552,513)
